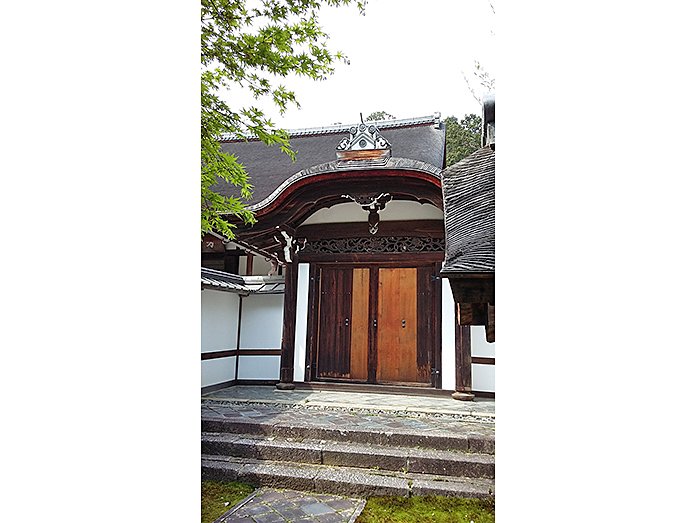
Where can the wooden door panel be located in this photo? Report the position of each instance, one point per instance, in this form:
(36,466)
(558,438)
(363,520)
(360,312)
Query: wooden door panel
(360,324)
(397,326)
(333,354)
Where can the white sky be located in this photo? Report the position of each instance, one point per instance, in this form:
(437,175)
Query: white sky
(407,57)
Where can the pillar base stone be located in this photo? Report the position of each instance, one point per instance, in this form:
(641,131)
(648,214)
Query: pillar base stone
(462,396)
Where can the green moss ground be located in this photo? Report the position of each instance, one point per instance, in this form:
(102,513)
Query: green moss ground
(427,509)
(217,498)
(215,495)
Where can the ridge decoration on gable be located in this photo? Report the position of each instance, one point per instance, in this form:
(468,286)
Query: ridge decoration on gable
(364,145)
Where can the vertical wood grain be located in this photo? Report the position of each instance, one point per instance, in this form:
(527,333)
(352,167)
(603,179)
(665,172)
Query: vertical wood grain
(360,324)
(396,345)
(334,339)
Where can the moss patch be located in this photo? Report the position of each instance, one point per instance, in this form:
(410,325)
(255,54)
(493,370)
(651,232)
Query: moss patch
(217,498)
(427,509)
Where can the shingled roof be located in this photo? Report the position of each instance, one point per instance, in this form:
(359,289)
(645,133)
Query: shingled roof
(421,139)
(468,207)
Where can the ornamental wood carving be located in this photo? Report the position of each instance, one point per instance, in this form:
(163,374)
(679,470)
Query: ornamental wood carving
(375,244)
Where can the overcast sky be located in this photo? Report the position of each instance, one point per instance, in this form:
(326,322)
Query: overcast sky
(407,57)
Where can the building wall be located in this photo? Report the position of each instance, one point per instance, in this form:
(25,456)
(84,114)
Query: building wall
(262,327)
(394,211)
(483,376)
(262,321)
(219,313)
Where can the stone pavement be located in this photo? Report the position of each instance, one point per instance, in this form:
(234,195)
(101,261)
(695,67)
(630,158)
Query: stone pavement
(267,505)
(341,420)
(313,416)
(344,401)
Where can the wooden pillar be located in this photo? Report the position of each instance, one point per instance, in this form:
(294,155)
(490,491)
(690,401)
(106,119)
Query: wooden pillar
(288,340)
(463,362)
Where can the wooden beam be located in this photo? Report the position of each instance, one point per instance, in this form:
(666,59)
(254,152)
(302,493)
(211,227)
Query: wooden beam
(463,363)
(472,313)
(490,324)
(288,340)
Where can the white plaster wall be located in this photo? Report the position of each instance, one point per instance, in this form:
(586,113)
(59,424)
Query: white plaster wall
(217,371)
(483,378)
(394,211)
(262,322)
(219,313)
(301,321)
(481,347)
(259,368)
(448,350)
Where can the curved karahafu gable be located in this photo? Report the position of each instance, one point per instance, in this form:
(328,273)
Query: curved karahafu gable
(419,140)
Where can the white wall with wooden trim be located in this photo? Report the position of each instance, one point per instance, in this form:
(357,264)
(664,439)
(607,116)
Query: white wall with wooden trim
(219,370)
(219,314)
(481,347)
(483,378)
(262,321)
(259,368)
(396,210)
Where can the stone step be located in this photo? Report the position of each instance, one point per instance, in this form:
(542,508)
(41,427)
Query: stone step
(356,455)
(347,481)
(470,440)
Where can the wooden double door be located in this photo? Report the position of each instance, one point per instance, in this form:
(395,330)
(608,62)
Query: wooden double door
(376,324)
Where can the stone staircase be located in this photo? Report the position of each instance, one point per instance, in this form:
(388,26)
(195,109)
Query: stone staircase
(304,453)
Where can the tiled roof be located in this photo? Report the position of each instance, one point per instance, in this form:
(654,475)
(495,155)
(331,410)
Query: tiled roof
(223,281)
(468,208)
(421,139)
(246,285)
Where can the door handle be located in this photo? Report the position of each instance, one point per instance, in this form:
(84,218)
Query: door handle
(346,322)
(404,324)
(375,323)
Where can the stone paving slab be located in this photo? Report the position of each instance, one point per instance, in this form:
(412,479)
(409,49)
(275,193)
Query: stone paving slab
(355,401)
(383,429)
(359,482)
(267,505)
(326,452)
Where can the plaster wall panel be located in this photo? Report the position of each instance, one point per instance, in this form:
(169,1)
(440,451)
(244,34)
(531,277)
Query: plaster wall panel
(481,347)
(397,210)
(259,368)
(217,371)
(219,314)
(483,378)
(262,321)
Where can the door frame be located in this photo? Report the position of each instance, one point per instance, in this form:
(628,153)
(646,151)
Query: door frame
(374,265)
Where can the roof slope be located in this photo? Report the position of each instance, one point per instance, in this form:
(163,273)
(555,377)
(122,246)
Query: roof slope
(468,206)
(222,281)
(421,139)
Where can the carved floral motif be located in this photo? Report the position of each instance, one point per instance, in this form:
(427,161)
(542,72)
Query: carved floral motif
(382,244)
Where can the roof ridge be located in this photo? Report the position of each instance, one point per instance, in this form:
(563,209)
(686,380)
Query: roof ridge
(344,128)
